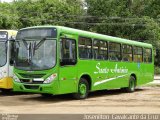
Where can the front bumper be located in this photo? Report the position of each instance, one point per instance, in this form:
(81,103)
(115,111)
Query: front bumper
(51,88)
(6,83)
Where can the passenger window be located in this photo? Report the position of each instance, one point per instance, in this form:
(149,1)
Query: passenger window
(68,52)
(127,53)
(100,50)
(85,48)
(147,54)
(137,54)
(114,51)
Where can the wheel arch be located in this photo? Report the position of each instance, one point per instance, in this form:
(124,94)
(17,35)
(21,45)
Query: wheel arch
(134,75)
(88,78)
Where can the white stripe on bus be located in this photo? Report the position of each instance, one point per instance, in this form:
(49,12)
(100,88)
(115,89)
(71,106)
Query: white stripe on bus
(110,79)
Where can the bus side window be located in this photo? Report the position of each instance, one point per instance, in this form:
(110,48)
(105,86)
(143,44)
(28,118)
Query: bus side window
(100,50)
(68,52)
(138,54)
(127,52)
(85,48)
(147,55)
(114,51)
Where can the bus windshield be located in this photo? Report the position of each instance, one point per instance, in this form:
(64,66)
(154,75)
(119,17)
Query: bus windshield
(35,55)
(3,53)
(35,49)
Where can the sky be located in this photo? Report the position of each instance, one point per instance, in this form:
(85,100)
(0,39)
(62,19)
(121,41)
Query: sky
(6,0)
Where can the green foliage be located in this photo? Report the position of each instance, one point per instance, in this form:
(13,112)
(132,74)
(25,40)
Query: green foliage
(8,16)
(157,70)
(27,13)
(131,19)
(153,9)
(54,12)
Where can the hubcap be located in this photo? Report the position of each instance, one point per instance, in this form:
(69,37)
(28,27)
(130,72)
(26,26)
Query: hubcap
(132,85)
(83,89)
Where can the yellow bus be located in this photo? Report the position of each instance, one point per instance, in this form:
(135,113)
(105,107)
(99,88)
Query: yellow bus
(6,62)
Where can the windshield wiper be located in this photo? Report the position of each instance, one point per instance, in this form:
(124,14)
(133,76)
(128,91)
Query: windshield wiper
(32,47)
(39,44)
(25,43)
(29,48)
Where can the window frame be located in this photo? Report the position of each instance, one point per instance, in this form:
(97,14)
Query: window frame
(76,59)
(78,53)
(137,54)
(103,54)
(127,53)
(150,56)
(120,52)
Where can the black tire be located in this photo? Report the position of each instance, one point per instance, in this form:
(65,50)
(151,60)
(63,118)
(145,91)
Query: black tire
(46,95)
(83,89)
(6,91)
(132,84)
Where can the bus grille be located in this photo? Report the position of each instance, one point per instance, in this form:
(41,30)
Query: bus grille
(31,75)
(31,86)
(29,81)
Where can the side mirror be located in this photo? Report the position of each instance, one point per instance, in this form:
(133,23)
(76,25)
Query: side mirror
(11,62)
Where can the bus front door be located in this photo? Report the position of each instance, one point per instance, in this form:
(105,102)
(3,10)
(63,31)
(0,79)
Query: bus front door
(68,67)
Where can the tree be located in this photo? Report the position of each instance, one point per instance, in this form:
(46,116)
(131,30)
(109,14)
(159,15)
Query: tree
(127,19)
(8,16)
(54,12)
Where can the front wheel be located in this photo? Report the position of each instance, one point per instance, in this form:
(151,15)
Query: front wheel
(6,91)
(46,95)
(83,89)
(132,84)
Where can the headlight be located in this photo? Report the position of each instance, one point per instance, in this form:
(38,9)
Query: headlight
(15,78)
(50,78)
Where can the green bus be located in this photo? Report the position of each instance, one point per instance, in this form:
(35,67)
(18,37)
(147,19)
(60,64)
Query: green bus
(52,60)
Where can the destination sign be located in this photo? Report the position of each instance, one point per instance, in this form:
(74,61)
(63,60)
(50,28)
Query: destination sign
(3,35)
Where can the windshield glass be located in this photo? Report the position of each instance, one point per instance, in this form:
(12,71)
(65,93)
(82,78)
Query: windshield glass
(3,47)
(3,55)
(35,54)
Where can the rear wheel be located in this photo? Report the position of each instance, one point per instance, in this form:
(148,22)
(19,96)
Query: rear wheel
(83,89)
(132,84)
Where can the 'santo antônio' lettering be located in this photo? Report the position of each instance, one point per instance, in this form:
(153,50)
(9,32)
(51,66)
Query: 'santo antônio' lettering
(101,70)
(116,69)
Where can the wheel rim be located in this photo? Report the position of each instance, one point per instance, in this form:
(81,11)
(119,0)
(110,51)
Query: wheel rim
(132,85)
(83,89)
